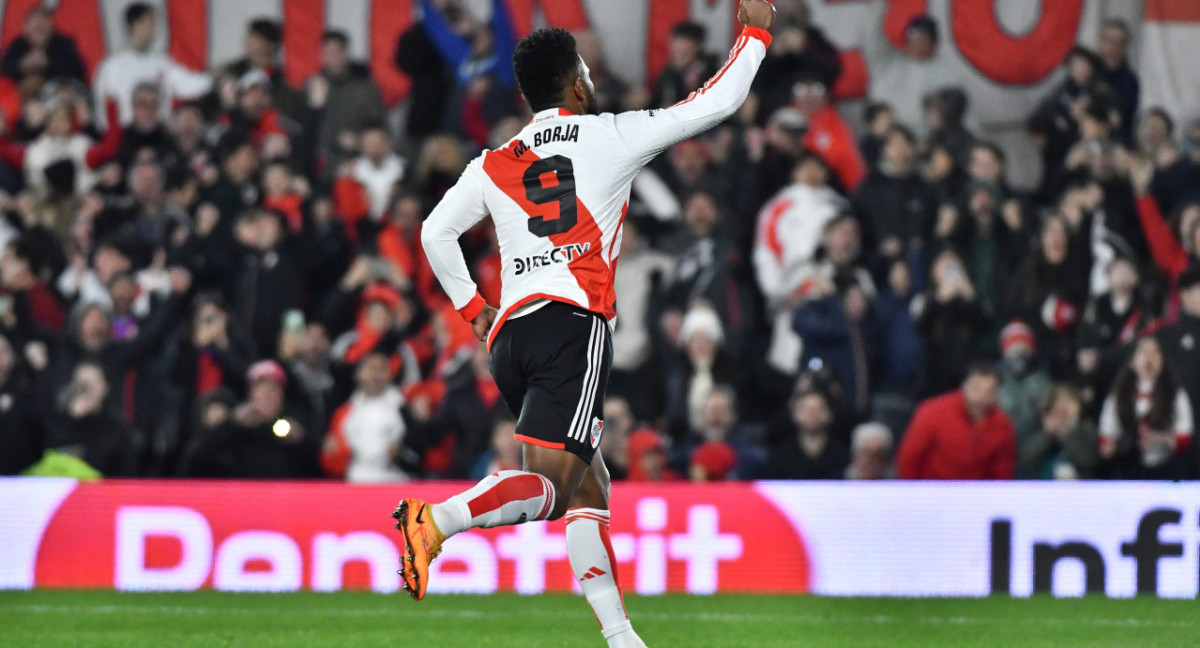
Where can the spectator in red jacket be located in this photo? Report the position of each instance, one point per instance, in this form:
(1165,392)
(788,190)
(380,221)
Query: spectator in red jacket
(829,136)
(960,435)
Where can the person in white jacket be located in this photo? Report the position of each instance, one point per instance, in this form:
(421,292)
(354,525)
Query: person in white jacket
(788,235)
(118,75)
(366,433)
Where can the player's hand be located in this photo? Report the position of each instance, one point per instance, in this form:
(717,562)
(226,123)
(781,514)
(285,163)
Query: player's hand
(483,322)
(757,13)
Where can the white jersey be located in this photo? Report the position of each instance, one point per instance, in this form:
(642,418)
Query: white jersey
(558,191)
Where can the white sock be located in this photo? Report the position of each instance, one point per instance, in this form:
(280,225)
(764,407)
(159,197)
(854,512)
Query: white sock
(595,567)
(505,497)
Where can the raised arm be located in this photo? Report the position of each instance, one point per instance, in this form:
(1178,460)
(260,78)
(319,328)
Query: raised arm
(461,208)
(648,132)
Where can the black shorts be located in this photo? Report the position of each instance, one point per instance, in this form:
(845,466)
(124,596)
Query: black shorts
(552,368)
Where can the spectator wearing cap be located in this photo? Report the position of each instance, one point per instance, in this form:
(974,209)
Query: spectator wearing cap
(1181,340)
(871,446)
(648,458)
(901,78)
(1110,324)
(1064,443)
(264,438)
(366,435)
(840,331)
(1147,420)
(688,65)
(41,53)
(961,434)
(895,203)
(702,364)
(1023,383)
(810,450)
(828,135)
(255,116)
(118,75)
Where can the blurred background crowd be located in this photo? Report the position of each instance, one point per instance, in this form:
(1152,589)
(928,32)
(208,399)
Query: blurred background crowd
(217,274)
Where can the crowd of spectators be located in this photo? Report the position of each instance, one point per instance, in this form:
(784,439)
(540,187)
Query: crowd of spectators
(216,274)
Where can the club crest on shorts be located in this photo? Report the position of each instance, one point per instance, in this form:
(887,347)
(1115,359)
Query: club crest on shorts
(597,430)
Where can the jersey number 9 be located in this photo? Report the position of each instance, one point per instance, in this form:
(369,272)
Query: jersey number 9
(563,193)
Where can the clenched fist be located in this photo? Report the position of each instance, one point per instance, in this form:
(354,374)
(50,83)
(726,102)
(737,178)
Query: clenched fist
(757,13)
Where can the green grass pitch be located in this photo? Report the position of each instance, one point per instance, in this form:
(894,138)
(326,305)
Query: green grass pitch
(353,620)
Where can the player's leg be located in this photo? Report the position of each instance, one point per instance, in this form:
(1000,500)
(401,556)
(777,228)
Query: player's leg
(592,558)
(548,365)
(504,497)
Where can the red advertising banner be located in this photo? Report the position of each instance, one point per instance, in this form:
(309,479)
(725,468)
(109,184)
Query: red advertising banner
(285,536)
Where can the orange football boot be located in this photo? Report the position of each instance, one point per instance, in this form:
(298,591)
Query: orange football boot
(422,541)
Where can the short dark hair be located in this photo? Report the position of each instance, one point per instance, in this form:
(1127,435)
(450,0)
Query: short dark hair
(902,131)
(1081,52)
(874,110)
(267,29)
(983,368)
(994,149)
(1117,23)
(690,30)
(543,63)
(40,10)
(135,12)
(1161,113)
(337,36)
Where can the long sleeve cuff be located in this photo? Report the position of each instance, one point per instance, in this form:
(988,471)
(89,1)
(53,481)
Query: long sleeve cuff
(761,34)
(473,308)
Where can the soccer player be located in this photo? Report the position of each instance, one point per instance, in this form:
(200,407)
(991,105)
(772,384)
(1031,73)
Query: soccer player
(557,194)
